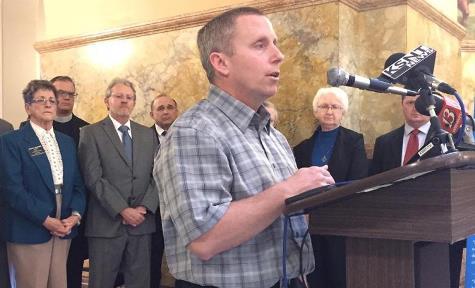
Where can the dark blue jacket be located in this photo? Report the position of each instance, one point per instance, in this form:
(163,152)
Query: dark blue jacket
(28,188)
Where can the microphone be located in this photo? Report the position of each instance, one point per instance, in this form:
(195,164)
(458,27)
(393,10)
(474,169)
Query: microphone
(447,109)
(339,77)
(404,69)
(439,85)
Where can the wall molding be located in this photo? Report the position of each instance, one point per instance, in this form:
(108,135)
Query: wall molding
(453,27)
(267,6)
(467,46)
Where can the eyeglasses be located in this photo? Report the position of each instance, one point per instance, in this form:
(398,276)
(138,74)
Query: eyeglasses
(44,101)
(326,107)
(123,97)
(62,93)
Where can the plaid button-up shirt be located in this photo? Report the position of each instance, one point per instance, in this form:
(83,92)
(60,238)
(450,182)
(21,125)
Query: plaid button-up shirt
(217,152)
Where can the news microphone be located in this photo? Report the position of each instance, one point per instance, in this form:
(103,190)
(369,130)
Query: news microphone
(339,77)
(447,109)
(439,85)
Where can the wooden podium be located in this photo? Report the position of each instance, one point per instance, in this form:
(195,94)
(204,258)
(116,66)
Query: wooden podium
(397,236)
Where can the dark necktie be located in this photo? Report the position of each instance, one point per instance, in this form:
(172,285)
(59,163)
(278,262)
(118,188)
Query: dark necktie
(126,141)
(412,145)
(164,132)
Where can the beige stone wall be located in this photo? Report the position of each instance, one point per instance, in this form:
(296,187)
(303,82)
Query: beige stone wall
(468,79)
(66,18)
(313,35)
(366,40)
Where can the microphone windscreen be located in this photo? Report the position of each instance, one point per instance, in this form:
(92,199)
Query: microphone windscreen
(336,77)
(421,106)
(393,58)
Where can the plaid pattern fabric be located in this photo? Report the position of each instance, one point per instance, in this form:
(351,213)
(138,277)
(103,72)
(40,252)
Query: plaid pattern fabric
(217,152)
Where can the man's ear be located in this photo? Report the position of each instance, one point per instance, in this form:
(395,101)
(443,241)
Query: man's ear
(220,63)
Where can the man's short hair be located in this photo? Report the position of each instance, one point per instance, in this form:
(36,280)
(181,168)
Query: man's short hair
(117,81)
(338,92)
(63,78)
(159,96)
(33,86)
(216,36)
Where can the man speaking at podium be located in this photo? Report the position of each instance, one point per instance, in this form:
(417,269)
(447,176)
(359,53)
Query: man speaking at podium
(397,147)
(224,172)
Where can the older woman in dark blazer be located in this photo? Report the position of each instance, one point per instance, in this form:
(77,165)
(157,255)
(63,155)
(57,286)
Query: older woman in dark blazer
(343,151)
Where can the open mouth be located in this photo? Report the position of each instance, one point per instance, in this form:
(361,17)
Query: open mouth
(274,75)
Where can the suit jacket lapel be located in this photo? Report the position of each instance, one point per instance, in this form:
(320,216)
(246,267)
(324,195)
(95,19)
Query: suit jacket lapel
(430,134)
(138,137)
(41,160)
(397,146)
(109,130)
(155,133)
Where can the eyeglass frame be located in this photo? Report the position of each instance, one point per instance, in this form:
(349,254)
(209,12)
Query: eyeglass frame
(43,101)
(330,107)
(123,97)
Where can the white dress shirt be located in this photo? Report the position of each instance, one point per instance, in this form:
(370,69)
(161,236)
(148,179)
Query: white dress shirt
(51,147)
(117,125)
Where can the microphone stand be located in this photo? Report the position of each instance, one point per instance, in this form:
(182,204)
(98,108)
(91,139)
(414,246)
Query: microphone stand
(442,138)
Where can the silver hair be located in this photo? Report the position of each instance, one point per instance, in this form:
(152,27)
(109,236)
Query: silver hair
(117,81)
(338,92)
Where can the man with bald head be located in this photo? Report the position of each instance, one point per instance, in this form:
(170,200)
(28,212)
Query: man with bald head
(164,111)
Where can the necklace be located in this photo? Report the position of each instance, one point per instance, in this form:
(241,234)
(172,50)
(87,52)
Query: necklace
(326,156)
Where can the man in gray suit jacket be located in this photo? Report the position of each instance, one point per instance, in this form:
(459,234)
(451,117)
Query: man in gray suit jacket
(116,156)
(4,279)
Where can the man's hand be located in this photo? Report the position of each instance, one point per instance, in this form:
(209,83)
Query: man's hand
(133,216)
(141,209)
(307,178)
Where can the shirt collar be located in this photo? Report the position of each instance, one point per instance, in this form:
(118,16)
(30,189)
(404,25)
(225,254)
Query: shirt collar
(117,124)
(239,113)
(40,131)
(64,119)
(423,129)
(159,129)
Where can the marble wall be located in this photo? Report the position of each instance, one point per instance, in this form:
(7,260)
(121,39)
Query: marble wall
(313,37)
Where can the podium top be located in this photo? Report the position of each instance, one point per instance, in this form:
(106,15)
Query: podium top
(311,200)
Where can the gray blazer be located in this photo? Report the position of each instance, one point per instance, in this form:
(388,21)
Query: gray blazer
(115,183)
(5,126)
(4,281)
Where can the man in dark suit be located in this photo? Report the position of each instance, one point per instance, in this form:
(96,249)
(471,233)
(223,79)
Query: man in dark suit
(4,278)
(116,156)
(43,191)
(69,124)
(390,148)
(65,121)
(391,151)
(164,111)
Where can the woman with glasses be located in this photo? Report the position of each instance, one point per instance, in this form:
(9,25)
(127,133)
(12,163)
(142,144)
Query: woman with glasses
(42,193)
(342,150)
